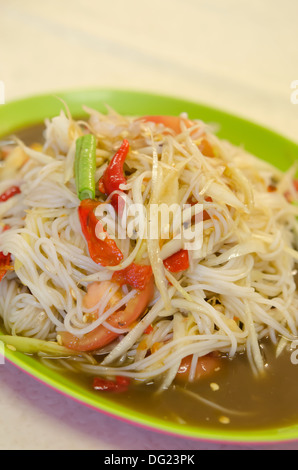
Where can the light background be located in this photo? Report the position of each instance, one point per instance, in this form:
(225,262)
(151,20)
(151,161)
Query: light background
(237,55)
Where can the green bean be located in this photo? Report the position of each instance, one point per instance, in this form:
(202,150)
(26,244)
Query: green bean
(85,166)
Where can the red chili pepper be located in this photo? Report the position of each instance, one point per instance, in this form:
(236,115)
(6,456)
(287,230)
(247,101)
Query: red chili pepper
(9,193)
(296,184)
(121,384)
(104,252)
(5,260)
(114,176)
(135,275)
(201,216)
(177,262)
(149,330)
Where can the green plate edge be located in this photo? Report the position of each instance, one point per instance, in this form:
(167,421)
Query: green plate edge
(265,143)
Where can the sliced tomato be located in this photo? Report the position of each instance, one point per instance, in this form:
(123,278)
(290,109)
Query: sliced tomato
(206,366)
(206,148)
(101,336)
(174,123)
(171,122)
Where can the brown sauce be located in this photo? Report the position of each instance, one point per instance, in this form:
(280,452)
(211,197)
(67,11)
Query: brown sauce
(255,402)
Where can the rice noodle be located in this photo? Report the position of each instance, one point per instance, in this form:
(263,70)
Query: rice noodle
(240,284)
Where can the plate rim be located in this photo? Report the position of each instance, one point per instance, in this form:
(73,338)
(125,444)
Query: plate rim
(264,436)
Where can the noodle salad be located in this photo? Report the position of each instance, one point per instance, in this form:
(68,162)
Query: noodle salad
(84,288)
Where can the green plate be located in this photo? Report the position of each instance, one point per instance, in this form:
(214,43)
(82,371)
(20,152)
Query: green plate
(262,142)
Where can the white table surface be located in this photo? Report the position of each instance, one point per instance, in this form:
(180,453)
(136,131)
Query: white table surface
(238,55)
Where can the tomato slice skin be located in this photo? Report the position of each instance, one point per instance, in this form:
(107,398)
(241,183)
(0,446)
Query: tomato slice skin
(171,122)
(205,367)
(101,336)
(175,124)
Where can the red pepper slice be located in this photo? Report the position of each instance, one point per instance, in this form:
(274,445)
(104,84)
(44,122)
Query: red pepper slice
(114,176)
(4,264)
(104,252)
(149,330)
(121,384)
(135,275)
(101,336)
(177,262)
(5,260)
(9,193)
